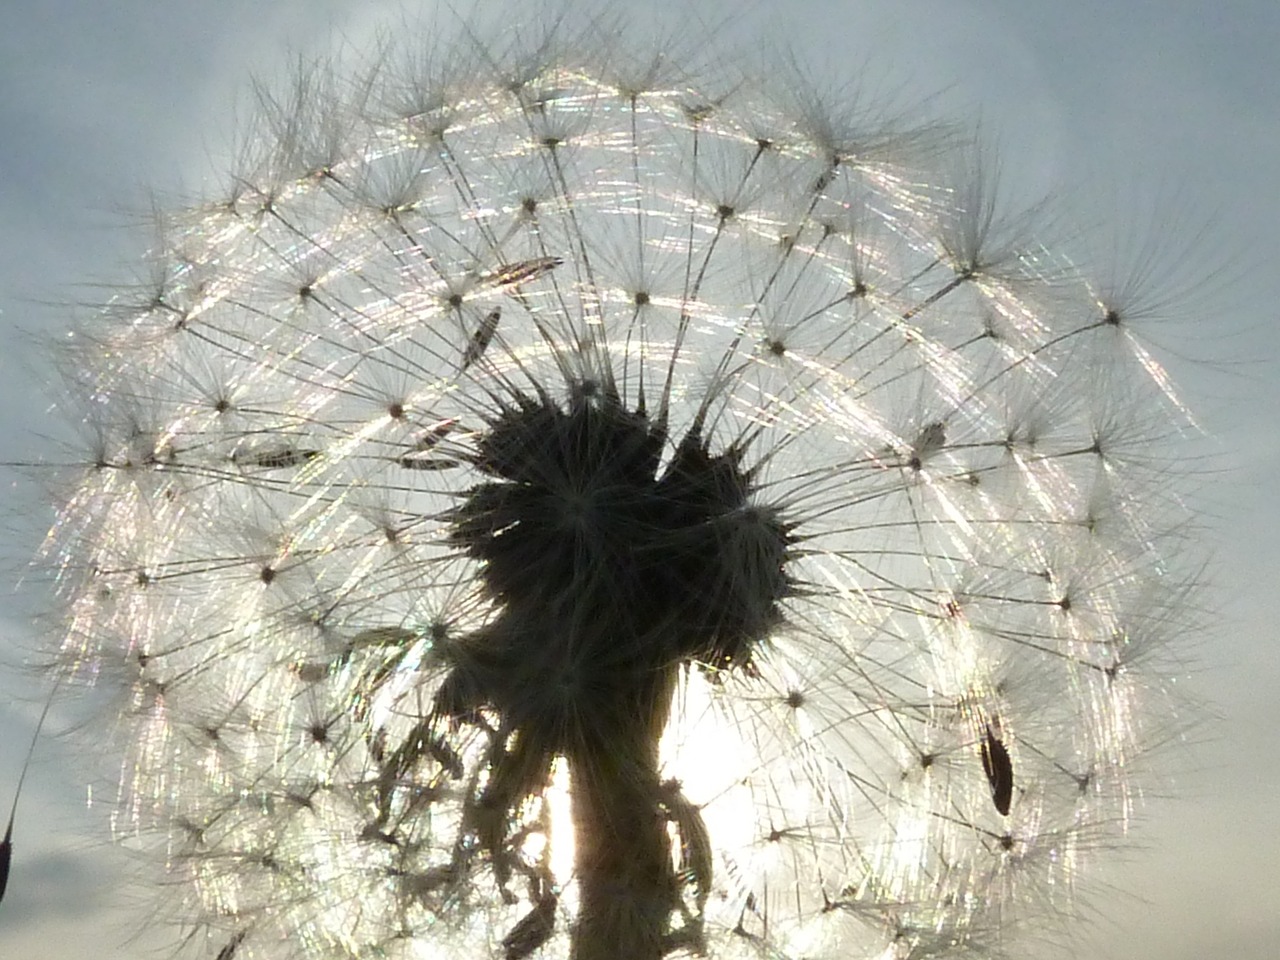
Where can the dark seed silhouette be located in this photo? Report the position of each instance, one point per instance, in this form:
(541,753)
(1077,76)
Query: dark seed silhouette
(229,951)
(423,457)
(277,458)
(6,854)
(6,847)
(525,270)
(481,338)
(999,769)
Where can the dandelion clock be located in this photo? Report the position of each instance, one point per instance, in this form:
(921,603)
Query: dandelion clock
(559,503)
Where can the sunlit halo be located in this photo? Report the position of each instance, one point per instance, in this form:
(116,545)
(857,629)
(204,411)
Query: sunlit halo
(561,817)
(701,752)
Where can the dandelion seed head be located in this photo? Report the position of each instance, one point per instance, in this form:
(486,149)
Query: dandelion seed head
(554,499)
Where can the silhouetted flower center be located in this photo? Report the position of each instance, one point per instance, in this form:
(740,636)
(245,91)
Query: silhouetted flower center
(609,564)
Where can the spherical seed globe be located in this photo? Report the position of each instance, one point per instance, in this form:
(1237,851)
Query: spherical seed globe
(555,504)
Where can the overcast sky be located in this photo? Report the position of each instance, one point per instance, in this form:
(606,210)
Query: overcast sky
(1170,106)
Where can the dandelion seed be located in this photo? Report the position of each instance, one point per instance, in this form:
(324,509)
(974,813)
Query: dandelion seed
(514,274)
(423,455)
(6,856)
(6,845)
(276,458)
(481,339)
(999,769)
(584,516)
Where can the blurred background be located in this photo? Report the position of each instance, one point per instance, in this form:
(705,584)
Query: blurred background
(1157,116)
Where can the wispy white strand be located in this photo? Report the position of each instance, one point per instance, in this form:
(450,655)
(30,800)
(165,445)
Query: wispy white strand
(963,438)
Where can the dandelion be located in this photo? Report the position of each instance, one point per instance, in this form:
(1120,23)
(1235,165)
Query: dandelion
(558,504)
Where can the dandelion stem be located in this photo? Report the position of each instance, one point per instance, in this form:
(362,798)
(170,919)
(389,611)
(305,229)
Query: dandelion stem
(622,849)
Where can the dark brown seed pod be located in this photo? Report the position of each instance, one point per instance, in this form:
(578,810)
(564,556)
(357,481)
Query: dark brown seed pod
(6,845)
(6,854)
(276,458)
(423,456)
(481,339)
(515,273)
(999,770)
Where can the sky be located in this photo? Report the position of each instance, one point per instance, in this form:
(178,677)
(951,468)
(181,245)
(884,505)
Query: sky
(1159,114)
